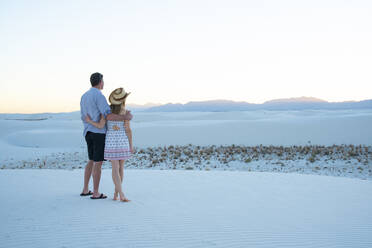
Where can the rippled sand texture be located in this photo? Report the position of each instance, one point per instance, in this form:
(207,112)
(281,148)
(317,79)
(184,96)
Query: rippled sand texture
(42,208)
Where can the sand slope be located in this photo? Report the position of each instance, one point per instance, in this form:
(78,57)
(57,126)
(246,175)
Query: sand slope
(22,139)
(42,208)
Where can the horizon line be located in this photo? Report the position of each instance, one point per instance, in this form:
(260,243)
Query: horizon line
(201,101)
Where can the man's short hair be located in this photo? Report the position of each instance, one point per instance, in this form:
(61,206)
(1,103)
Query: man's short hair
(96,78)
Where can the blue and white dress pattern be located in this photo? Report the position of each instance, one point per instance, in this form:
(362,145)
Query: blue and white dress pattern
(117,143)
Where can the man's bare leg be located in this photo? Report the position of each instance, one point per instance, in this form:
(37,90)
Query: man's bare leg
(87,175)
(97,167)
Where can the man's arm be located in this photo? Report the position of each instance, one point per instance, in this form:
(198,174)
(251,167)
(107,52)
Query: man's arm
(114,117)
(100,124)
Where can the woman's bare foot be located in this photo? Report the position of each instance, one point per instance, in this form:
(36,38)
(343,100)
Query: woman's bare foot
(115,196)
(123,198)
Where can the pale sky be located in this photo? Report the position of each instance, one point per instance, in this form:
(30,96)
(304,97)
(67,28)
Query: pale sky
(180,51)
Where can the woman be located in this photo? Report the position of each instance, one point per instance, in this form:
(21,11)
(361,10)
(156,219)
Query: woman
(118,144)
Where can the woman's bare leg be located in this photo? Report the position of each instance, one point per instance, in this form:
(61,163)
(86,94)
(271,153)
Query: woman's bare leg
(121,170)
(121,173)
(116,178)
(121,162)
(116,194)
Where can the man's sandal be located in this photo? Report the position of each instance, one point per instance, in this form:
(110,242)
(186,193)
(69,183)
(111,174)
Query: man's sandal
(99,197)
(86,194)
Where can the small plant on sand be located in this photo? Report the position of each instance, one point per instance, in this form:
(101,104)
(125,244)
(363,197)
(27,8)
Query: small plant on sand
(248,160)
(312,158)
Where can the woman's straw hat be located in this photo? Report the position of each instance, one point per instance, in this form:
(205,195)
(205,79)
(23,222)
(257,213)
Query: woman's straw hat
(118,96)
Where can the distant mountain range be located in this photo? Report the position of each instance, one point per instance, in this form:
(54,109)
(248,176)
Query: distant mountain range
(299,103)
(142,107)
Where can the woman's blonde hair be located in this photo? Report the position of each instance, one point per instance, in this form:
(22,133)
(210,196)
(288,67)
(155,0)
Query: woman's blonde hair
(116,108)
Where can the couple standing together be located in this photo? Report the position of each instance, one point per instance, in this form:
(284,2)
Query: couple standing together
(108,136)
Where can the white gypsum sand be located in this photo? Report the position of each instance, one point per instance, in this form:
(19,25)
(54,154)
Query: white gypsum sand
(55,141)
(21,139)
(336,160)
(190,207)
(42,208)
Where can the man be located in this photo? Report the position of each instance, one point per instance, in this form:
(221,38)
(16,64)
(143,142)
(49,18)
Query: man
(94,104)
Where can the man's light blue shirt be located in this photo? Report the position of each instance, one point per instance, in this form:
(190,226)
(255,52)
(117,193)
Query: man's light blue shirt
(93,103)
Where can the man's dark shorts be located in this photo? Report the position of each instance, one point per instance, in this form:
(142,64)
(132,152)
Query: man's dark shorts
(96,146)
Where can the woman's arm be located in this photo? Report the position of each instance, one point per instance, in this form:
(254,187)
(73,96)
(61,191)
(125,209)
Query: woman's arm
(128,131)
(100,124)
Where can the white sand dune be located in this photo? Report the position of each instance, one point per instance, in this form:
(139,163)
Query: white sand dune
(42,208)
(178,208)
(21,140)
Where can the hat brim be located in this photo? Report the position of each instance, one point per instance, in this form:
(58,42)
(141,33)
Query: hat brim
(118,94)
(116,101)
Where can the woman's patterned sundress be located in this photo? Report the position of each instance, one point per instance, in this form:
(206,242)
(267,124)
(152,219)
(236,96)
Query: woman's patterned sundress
(116,144)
